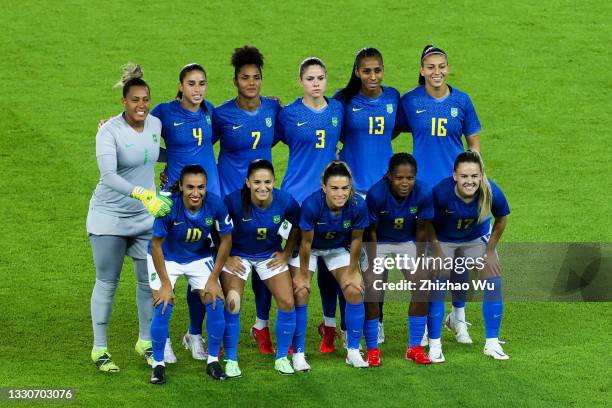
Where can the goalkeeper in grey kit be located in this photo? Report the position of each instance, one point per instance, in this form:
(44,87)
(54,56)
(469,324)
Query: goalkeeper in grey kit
(121,211)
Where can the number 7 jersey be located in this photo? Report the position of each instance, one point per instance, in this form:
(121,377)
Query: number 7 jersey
(244,136)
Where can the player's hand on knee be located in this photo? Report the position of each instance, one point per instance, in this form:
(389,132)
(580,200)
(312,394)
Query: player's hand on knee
(301,283)
(213,289)
(164,295)
(492,266)
(234,265)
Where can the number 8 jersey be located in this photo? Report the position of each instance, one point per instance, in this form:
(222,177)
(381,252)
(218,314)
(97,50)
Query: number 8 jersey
(186,234)
(244,136)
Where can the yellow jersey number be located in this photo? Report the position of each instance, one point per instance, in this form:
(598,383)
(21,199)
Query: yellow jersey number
(193,235)
(464,223)
(256,135)
(398,223)
(330,235)
(321,139)
(197,134)
(262,233)
(377,125)
(437,126)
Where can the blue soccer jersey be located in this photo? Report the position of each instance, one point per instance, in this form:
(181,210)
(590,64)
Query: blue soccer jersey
(456,220)
(185,234)
(244,136)
(331,230)
(312,137)
(255,234)
(395,219)
(437,126)
(366,136)
(189,140)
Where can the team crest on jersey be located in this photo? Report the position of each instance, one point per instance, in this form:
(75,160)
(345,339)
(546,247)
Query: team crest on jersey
(454,112)
(413,210)
(276,219)
(209,222)
(335,121)
(347,224)
(269,122)
(208,119)
(154,138)
(389,108)
(153,276)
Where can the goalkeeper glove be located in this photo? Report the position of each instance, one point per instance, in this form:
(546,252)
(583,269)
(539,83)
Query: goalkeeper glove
(156,205)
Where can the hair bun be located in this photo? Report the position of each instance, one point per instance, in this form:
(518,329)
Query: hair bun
(129,71)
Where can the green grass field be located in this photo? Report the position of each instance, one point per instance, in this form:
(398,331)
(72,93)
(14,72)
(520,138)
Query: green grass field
(537,72)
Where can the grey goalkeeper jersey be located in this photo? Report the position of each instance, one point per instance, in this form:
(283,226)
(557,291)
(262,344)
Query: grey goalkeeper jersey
(126,159)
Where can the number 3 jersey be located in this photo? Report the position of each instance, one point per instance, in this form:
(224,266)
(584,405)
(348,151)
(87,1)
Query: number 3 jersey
(457,221)
(244,136)
(255,234)
(186,234)
(189,140)
(312,137)
(332,230)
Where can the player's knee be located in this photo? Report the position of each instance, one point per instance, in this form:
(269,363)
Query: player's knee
(285,303)
(232,301)
(106,285)
(352,293)
(301,296)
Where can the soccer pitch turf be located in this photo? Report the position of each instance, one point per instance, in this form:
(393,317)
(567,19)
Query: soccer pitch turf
(537,72)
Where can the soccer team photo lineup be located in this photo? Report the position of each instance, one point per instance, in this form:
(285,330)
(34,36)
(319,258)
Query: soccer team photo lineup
(306,204)
(345,203)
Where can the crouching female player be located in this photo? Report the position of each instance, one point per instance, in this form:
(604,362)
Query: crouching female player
(400,210)
(332,221)
(462,225)
(258,211)
(179,247)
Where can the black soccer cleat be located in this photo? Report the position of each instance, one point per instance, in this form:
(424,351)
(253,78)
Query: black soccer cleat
(215,371)
(158,376)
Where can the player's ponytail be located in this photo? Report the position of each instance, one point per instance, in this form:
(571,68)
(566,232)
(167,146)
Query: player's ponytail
(354,84)
(245,192)
(341,169)
(131,75)
(399,159)
(427,51)
(485,194)
(184,71)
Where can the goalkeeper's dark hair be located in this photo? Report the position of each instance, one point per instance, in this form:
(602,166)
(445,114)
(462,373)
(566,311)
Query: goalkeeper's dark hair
(131,75)
(485,194)
(184,71)
(400,159)
(247,55)
(189,169)
(354,84)
(427,51)
(309,62)
(245,192)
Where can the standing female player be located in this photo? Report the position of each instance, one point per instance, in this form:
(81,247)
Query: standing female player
(120,213)
(401,211)
(438,115)
(369,120)
(258,211)
(180,247)
(311,126)
(187,131)
(462,205)
(332,221)
(244,127)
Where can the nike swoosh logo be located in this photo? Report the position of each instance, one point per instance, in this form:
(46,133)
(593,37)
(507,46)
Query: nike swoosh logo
(421,110)
(384,212)
(450,212)
(178,123)
(301,123)
(127,146)
(357,109)
(178,223)
(247,219)
(320,223)
(497,316)
(236,127)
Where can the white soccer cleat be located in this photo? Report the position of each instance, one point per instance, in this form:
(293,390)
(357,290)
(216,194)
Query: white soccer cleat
(299,362)
(353,358)
(344,343)
(435,355)
(495,350)
(169,356)
(195,343)
(460,328)
(381,333)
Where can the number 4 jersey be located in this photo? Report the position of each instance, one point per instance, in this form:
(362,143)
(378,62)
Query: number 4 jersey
(457,221)
(186,234)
